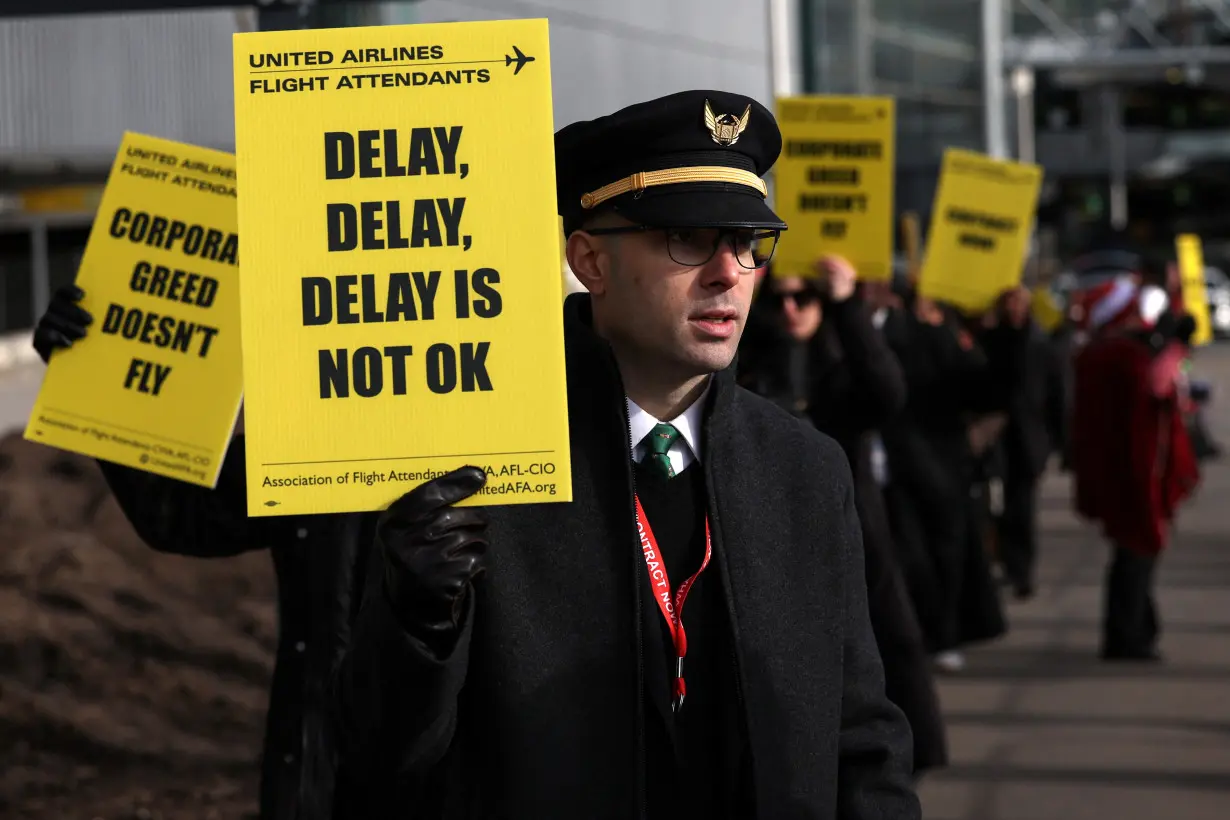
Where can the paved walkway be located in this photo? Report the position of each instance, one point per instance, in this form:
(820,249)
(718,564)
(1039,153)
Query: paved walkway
(1041,730)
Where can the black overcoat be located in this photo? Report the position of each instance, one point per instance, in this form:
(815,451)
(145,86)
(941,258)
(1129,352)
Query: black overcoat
(854,384)
(540,709)
(319,561)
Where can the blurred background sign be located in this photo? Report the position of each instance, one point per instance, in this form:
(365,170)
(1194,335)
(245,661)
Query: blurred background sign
(60,199)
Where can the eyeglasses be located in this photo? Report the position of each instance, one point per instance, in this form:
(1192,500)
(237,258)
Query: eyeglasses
(801,298)
(693,247)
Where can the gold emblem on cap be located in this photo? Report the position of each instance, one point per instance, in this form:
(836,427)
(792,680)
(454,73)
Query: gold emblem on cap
(726,128)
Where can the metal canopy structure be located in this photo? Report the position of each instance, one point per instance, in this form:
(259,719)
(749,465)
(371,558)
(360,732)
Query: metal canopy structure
(1118,35)
(1108,47)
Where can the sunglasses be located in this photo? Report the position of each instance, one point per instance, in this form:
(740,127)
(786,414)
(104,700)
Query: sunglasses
(801,299)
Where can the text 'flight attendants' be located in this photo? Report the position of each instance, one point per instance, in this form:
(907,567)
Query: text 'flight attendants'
(401,312)
(157,381)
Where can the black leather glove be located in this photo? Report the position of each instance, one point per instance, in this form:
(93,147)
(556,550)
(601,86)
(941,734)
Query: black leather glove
(432,552)
(64,322)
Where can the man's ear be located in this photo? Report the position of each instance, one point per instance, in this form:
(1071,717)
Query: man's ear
(589,260)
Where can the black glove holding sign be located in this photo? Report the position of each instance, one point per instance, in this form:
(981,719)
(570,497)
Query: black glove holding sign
(64,322)
(432,552)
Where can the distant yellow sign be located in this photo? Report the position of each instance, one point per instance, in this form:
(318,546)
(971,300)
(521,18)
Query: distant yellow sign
(1195,291)
(834,183)
(402,317)
(911,241)
(157,382)
(1045,309)
(61,199)
(980,224)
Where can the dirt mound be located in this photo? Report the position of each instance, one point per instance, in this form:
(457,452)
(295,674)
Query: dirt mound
(132,684)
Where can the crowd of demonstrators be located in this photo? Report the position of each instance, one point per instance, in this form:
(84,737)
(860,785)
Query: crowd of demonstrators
(933,407)
(949,421)
(484,661)
(852,481)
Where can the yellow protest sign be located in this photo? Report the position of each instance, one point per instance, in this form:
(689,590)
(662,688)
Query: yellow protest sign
(1045,309)
(980,223)
(1195,291)
(157,381)
(834,183)
(402,317)
(912,242)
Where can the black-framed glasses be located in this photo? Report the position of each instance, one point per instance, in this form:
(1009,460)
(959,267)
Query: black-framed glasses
(693,247)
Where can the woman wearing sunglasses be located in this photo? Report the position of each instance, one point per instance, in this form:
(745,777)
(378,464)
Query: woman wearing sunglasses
(818,354)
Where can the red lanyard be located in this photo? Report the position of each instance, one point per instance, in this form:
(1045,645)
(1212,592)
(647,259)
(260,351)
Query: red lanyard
(660,584)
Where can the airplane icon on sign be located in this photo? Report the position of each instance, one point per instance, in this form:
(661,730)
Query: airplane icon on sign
(520,59)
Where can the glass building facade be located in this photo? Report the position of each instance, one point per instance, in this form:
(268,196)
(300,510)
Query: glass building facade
(927,55)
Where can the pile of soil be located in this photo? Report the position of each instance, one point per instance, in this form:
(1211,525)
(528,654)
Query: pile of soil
(132,684)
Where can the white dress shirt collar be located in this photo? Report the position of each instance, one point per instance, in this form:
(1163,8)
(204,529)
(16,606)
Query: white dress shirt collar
(686,448)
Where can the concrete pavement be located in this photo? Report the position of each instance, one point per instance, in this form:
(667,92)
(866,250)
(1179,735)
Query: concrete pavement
(1040,729)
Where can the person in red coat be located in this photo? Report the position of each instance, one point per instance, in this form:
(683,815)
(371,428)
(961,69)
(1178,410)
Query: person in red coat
(1133,462)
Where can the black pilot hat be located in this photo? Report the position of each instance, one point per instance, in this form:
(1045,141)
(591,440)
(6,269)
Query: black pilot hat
(689,160)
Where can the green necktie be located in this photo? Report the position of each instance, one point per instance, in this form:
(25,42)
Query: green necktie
(660,439)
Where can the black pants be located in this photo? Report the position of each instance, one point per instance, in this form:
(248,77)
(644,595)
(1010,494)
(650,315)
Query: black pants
(1018,530)
(928,586)
(1129,619)
(947,571)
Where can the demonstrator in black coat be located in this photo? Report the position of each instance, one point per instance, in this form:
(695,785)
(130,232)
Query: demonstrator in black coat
(319,561)
(827,363)
(960,376)
(1027,445)
(534,677)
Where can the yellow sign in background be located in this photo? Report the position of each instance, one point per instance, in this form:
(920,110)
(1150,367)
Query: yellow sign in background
(911,240)
(1045,310)
(980,224)
(833,184)
(401,307)
(157,381)
(1195,292)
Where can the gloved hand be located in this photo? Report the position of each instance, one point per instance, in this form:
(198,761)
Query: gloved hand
(64,322)
(433,551)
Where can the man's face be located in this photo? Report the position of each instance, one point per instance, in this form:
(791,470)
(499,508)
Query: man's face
(686,318)
(800,307)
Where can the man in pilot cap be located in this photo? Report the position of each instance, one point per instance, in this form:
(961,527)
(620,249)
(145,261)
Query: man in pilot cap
(689,637)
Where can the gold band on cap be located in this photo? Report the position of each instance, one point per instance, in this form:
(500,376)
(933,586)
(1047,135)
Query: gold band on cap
(673,176)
